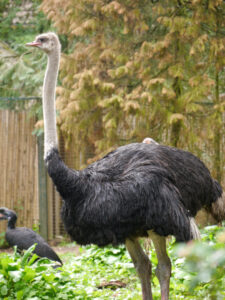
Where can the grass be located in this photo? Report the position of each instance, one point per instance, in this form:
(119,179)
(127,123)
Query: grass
(198,273)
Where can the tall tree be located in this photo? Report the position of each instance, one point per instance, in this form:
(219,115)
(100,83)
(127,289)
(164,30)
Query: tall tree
(139,68)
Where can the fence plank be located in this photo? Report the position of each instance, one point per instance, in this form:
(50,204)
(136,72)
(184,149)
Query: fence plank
(42,183)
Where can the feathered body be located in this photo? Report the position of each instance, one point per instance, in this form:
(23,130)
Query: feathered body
(134,189)
(24,237)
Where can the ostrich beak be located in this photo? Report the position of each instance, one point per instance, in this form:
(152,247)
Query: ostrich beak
(33,44)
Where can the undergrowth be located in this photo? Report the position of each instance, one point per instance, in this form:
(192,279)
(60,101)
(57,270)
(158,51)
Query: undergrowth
(198,273)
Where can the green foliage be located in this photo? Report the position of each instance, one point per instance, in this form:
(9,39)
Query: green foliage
(21,278)
(99,265)
(198,272)
(15,27)
(2,239)
(204,270)
(21,75)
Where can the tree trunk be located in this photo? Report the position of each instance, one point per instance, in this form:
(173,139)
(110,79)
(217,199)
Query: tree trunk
(218,133)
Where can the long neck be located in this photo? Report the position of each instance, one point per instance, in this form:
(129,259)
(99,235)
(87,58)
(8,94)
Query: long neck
(49,111)
(12,222)
(62,176)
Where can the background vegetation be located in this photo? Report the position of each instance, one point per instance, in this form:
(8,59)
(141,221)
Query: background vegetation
(20,21)
(108,273)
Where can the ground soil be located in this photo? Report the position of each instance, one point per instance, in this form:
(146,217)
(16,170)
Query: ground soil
(58,249)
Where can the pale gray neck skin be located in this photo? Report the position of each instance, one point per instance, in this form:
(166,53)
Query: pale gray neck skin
(49,110)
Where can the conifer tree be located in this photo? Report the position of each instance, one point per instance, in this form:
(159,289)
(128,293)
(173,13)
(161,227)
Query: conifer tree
(142,68)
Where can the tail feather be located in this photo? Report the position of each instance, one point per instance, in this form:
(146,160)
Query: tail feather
(217,190)
(194,229)
(218,208)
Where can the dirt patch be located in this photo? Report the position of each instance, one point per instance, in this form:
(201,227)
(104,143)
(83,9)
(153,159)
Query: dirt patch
(6,250)
(67,249)
(58,249)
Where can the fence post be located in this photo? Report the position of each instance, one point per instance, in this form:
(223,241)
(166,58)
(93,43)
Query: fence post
(42,188)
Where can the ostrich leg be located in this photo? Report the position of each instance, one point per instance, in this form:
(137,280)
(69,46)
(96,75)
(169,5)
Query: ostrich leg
(142,265)
(163,270)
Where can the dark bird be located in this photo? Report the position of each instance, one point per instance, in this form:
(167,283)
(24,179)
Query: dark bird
(138,190)
(24,238)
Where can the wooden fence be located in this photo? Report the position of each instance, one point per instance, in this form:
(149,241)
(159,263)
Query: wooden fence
(18,167)
(24,184)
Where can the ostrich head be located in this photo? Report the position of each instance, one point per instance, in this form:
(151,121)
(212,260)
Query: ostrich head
(149,140)
(48,42)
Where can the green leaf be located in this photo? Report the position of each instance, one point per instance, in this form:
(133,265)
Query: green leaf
(15,275)
(28,274)
(4,290)
(27,255)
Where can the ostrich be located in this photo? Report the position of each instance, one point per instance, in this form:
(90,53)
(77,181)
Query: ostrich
(137,190)
(149,140)
(24,238)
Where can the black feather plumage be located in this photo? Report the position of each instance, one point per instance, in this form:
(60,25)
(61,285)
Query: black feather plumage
(24,238)
(136,188)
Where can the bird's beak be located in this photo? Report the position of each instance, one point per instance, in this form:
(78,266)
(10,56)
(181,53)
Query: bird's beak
(33,44)
(2,217)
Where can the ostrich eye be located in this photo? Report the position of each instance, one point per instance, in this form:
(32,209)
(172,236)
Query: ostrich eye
(42,40)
